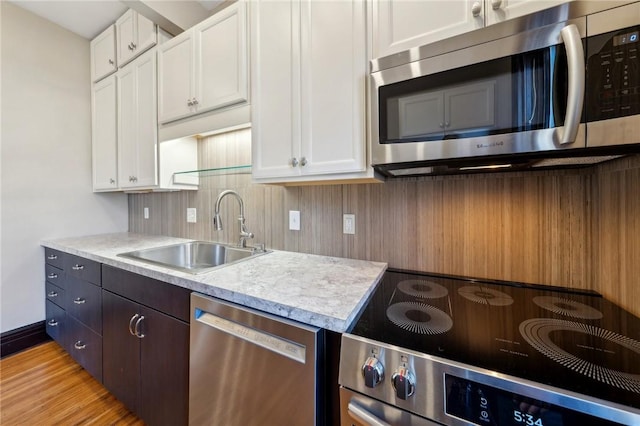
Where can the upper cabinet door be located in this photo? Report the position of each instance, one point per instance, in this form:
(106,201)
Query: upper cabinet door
(104,135)
(502,10)
(399,25)
(125,28)
(103,54)
(135,34)
(333,84)
(176,78)
(221,59)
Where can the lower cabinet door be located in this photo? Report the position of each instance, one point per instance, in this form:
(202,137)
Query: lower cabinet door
(85,346)
(55,323)
(121,367)
(164,369)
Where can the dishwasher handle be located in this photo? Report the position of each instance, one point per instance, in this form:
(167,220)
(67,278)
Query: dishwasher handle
(284,347)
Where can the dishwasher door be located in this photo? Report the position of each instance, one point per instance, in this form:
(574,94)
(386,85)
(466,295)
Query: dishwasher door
(252,368)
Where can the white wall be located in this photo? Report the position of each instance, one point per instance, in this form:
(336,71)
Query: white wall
(45,157)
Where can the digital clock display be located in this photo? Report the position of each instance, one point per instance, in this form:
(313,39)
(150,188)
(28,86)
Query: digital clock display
(632,37)
(486,405)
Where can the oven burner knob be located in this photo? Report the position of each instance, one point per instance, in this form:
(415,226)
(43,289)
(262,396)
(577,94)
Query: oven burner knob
(404,382)
(372,371)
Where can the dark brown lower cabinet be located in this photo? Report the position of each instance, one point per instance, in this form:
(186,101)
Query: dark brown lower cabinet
(146,360)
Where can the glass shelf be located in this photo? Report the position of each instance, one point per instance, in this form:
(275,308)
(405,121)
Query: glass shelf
(218,171)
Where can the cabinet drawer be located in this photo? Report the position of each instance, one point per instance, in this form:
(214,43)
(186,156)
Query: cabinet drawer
(85,346)
(83,301)
(164,297)
(54,294)
(54,257)
(54,275)
(82,268)
(55,323)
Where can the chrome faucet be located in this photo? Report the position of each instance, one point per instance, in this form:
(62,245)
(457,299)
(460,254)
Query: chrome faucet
(217,220)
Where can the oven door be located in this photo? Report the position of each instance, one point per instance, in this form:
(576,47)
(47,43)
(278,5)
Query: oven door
(517,94)
(360,410)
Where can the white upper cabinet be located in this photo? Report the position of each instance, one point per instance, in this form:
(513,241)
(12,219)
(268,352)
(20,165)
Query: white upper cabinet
(134,35)
(137,123)
(205,68)
(103,54)
(398,25)
(104,135)
(502,10)
(308,73)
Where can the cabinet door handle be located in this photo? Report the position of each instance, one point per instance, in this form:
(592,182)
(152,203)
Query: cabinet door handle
(476,8)
(189,102)
(111,62)
(194,101)
(52,294)
(294,162)
(52,323)
(52,257)
(139,334)
(133,46)
(495,4)
(79,345)
(52,276)
(303,161)
(112,181)
(77,267)
(79,301)
(133,318)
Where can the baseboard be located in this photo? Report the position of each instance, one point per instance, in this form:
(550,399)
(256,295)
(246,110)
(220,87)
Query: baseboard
(22,338)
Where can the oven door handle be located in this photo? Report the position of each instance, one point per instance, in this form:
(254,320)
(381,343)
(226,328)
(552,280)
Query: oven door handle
(361,415)
(575,93)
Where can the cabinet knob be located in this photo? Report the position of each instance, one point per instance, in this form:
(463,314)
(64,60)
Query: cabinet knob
(131,46)
(111,62)
(476,8)
(112,181)
(194,101)
(133,179)
(495,4)
(294,162)
(189,102)
(303,161)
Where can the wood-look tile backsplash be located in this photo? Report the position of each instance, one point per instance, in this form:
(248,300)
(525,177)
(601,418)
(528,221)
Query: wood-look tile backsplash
(574,228)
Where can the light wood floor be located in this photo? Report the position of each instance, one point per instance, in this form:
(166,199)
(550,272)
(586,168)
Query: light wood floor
(44,386)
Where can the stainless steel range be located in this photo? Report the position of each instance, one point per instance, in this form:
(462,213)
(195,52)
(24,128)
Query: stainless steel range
(431,349)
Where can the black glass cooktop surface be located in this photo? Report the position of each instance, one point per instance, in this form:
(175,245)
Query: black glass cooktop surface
(574,340)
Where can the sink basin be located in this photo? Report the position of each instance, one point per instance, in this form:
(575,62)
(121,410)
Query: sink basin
(195,257)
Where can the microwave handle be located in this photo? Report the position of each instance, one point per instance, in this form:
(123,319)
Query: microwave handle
(575,96)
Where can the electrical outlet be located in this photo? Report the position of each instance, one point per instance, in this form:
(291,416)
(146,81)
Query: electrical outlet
(294,220)
(349,224)
(146,212)
(191,215)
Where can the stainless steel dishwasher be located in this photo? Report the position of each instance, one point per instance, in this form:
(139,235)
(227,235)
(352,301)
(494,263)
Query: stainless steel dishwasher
(252,368)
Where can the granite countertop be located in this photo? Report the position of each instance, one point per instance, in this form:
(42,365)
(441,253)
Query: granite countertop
(323,291)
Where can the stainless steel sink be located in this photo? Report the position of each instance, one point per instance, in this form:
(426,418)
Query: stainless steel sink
(195,257)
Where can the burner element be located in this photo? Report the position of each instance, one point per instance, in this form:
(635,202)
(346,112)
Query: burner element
(485,296)
(422,289)
(566,307)
(537,332)
(419,318)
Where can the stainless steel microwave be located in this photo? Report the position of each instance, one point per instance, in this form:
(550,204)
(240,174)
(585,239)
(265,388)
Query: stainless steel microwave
(556,88)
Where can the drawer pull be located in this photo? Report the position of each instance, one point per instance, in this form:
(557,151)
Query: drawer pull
(133,318)
(52,294)
(79,345)
(77,267)
(52,323)
(52,257)
(52,276)
(79,300)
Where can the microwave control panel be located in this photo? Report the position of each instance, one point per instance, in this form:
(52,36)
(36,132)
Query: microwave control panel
(613,74)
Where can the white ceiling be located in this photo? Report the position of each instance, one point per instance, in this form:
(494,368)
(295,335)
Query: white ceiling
(87,18)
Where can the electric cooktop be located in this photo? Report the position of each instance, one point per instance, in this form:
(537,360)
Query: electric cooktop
(570,339)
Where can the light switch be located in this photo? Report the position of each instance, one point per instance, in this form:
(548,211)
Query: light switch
(294,220)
